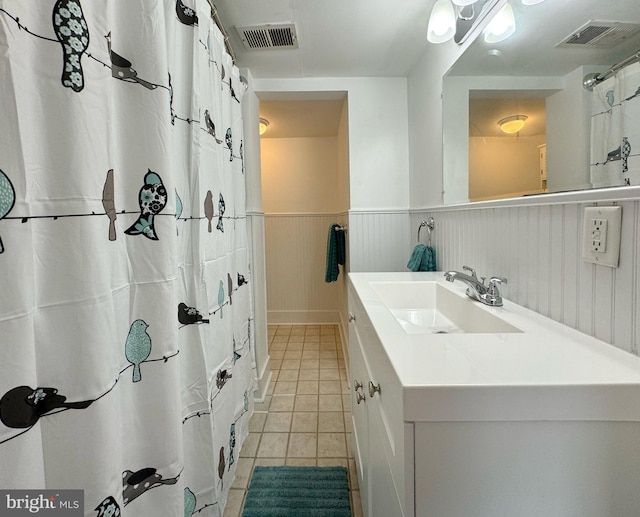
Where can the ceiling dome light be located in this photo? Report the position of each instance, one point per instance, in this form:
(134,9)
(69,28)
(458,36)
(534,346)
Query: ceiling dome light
(442,22)
(262,126)
(513,124)
(501,26)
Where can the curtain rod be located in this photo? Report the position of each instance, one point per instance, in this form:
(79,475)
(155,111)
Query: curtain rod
(590,80)
(227,43)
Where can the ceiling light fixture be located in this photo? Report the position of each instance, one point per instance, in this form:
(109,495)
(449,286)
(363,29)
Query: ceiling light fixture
(501,26)
(262,126)
(512,124)
(442,22)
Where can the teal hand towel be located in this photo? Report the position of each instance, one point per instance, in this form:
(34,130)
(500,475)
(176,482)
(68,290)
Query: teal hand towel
(415,260)
(336,253)
(429,259)
(423,258)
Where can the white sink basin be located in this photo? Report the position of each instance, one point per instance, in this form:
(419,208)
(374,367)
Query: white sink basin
(430,308)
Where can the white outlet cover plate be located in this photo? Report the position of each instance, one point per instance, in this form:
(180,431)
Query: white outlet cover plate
(613,215)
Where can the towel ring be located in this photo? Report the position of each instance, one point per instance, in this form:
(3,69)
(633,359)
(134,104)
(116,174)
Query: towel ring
(429,223)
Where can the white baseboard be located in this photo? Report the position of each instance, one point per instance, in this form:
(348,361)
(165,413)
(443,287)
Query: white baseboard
(260,393)
(303,317)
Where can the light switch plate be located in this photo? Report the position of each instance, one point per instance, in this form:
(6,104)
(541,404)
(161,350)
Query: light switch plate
(601,235)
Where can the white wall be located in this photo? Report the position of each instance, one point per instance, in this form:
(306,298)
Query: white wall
(342,193)
(300,175)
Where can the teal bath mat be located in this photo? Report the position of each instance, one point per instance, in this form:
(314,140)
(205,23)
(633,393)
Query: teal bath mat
(298,492)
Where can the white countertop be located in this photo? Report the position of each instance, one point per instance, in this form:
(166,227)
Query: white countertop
(546,372)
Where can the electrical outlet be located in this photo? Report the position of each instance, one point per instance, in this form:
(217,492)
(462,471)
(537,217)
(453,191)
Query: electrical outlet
(601,235)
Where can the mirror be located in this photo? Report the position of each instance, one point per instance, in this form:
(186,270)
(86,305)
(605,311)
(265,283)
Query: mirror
(532,73)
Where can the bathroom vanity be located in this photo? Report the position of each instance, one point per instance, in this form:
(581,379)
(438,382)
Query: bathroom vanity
(465,410)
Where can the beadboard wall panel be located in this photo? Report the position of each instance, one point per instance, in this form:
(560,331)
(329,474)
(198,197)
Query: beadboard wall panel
(538,248)
(379,241)
(296,252)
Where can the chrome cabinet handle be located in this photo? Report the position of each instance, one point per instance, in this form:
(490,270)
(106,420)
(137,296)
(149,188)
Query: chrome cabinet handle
(356,385)
(360,397)
(351,317)
(374,388)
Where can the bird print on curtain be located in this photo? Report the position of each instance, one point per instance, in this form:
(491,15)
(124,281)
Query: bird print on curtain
(134,484)
(221,210)
(7,199)
(179,209)
(211,127)
(109,205)
(221,297)
(189,315)
(108,508)
(137,348)
(190,502)
(122,68)
(152,200)
(72,32)
(208,209)
(228,138)
(22,406)
(185,14)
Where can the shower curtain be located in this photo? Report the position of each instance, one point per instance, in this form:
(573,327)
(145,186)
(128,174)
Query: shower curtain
(615,131)
(126,354)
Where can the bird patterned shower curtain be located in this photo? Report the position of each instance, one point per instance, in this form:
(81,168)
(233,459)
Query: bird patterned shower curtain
(615,130)
(126,353)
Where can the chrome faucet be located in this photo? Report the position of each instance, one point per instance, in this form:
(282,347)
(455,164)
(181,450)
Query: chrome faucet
(476,288)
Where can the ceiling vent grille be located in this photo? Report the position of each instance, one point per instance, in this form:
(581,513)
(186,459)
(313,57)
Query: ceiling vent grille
(598,34)
(272,36)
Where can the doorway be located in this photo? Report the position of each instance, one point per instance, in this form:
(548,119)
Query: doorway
(305,190)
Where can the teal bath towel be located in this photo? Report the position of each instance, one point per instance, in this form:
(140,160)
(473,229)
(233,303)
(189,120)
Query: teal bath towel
(336,253)
(423,258)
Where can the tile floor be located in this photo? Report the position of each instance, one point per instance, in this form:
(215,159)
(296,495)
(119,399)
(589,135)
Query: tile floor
(306,418)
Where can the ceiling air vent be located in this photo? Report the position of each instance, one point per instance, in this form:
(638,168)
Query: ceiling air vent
(598,34)
(272,36)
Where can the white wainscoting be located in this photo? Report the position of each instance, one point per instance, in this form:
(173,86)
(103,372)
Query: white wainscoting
(538,248)
(296,253)
(379,240)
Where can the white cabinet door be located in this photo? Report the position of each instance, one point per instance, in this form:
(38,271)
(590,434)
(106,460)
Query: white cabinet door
(358,379)
(382,487)
(377,453)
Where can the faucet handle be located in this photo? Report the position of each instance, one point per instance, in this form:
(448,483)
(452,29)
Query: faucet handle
(471,270)
(493,283)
